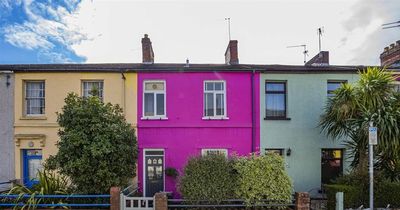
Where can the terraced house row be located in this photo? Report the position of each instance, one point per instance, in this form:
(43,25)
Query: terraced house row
(182,110)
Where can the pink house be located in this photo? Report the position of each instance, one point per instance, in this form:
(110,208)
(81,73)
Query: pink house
(188,110)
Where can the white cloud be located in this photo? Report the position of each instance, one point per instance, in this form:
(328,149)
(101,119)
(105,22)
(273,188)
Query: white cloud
(23,37)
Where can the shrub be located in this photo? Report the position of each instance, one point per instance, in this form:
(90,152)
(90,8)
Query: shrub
(208,178)
(171,172)
(263,178)
(352,195)
(97,147)
(388,193)
(49,183)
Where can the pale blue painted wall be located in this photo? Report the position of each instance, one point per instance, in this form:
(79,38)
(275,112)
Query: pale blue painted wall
(6,128)
(306,98)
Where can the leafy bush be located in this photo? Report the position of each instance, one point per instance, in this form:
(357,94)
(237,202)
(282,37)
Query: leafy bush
(353,197)
(97,147)
(208,178)
(171,172)
(49,183)
(356,190)
(263,178)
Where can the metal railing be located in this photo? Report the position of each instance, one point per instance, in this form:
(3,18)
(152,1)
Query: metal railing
(231,203)
(13,200)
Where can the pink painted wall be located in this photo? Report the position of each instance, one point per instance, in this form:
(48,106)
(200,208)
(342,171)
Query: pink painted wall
(185,133)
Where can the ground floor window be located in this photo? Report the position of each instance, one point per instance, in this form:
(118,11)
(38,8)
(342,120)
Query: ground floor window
(331,165)
(205,152)
(275,151)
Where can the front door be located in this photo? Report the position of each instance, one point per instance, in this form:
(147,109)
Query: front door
(331,165)
(32,163)
(154,172)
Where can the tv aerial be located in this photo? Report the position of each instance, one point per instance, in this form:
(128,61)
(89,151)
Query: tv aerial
(391,25)
(305,51)
(320,31)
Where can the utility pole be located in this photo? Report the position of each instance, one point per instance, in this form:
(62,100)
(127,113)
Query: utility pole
(372,140)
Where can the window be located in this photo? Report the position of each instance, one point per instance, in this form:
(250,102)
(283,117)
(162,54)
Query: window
(205,152)
(332,86)
(34,98)
(92,88)
(275,99)
(154,99)
(214,99)
(274,151)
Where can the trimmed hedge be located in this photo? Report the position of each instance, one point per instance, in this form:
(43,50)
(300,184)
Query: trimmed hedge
(263,178)
(215,178)
(208,178)
(352,196)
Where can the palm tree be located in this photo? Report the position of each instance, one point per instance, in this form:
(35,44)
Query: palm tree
(349,112)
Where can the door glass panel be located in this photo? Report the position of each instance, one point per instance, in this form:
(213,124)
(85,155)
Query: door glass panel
(34,166)
(150,172)
(159,172)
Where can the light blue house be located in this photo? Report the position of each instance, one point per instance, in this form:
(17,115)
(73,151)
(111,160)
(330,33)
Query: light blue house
(292,101)
(6,128)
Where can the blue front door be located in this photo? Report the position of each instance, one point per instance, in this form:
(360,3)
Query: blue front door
(32,163)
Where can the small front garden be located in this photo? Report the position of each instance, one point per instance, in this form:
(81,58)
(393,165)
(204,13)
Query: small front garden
(257,180)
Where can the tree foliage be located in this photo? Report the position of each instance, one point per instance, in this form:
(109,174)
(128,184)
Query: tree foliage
(349,112)
(97,147)
(263,178)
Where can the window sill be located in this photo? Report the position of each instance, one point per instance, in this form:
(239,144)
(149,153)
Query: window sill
(154,118)
(215,118)
(277,118)
(38,117)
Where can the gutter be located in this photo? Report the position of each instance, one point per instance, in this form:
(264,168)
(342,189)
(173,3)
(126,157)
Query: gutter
(253,113)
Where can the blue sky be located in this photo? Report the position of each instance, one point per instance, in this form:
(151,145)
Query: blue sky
(101,31)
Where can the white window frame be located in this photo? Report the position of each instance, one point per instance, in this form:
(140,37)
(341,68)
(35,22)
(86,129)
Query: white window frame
(204,151)
(155,92)
(25,97)
(215,92)
(94,80)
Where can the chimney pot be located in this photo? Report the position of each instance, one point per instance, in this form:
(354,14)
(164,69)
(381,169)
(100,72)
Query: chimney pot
(231,53)
(147,50)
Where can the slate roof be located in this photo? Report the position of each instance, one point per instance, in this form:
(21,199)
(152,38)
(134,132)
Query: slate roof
(179,67)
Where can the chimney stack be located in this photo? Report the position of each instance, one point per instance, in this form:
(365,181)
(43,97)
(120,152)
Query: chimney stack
(147,50)
(231,53)
(391,55)
(321,59)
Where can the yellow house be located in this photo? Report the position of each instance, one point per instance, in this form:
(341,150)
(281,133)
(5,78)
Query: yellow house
(39,93)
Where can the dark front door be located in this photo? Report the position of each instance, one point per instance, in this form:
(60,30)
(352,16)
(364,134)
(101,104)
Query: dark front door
(154,172)
(331,165)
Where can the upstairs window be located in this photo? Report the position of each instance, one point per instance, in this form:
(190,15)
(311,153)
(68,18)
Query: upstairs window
(205,152)
(214,99)
(274,151)
(34,98)
(332,86)
(275,99)
(154,99)
(92,88)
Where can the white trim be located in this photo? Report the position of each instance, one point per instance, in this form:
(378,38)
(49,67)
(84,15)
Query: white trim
(155,92)
(204,151)
(25,105)
(215,92)
(144,168)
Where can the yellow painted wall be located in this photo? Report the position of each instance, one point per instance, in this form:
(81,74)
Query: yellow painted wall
(42,131)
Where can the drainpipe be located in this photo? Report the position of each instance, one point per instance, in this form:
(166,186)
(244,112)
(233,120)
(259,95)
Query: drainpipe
(123,91)
(253,113)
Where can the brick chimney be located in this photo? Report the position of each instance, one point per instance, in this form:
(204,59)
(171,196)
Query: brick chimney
(391,55)
(321,59)
(231,53)
(147,50)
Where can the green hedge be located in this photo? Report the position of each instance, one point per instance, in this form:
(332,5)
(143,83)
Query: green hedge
(208,178)
(355,187)
(215,178)
(261,178)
